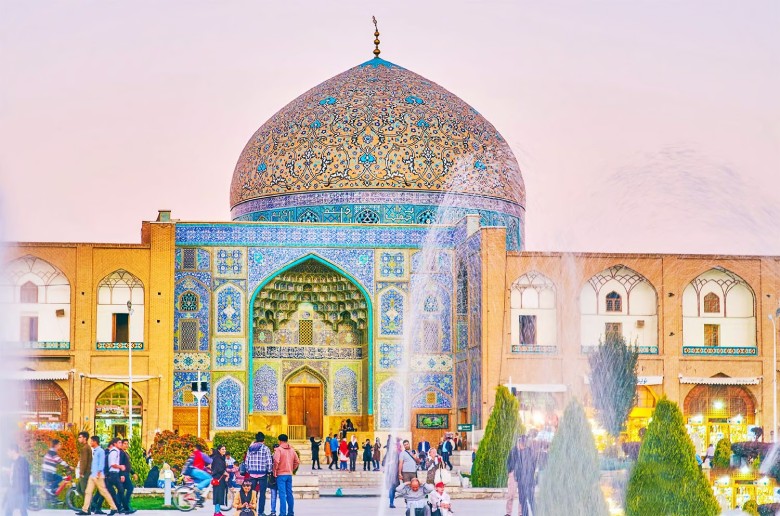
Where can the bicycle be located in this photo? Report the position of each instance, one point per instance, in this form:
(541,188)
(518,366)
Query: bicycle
(41,498)
(187,496)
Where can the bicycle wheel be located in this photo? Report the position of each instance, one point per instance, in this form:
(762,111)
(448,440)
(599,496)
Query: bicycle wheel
(185,498)
(228,505)
(74,499)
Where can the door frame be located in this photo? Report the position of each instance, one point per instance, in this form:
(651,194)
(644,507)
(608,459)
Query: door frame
(320,388)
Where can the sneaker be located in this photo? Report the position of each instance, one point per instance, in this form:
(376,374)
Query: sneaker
(82,513)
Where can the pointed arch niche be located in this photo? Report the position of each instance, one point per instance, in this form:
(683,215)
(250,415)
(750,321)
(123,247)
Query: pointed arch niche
(312,311)
(533,314)
(118,321)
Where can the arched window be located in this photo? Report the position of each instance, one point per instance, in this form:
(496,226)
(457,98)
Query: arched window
(711,303)
(28,293)
(614,302)
(45,401)
(112,412)
(188,302)
(367,217)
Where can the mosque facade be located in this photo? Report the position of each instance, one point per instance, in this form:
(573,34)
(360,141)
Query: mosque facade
(374,270)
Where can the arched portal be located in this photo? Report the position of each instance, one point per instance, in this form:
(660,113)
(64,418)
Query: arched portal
(45,404)
(311,313)
(716,411)
(112,412)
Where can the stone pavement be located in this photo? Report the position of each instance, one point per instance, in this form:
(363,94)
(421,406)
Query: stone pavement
(332,506)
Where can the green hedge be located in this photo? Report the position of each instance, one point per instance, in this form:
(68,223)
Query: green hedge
(502,430)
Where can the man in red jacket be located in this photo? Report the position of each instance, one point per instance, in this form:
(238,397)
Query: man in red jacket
(286,461)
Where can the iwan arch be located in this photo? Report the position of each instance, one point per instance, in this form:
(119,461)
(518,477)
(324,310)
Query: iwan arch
(296,314)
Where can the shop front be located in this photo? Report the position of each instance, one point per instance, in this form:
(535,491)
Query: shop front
(112,413)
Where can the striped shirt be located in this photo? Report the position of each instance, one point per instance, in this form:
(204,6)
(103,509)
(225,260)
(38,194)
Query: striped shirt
(51,460)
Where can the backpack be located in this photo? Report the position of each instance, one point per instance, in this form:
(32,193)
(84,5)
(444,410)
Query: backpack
(105,465)
(187,468)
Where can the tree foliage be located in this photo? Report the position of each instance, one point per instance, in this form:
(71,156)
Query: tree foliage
(236,443)
(503,428)
(174,449)
(666,478)
(613,382)
(722,457)
(138,461)
(35,444)
(573,456)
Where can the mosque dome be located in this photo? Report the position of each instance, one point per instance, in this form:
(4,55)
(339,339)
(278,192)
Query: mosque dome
(381,138)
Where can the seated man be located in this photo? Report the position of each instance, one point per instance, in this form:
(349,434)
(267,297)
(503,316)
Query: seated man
(414,495)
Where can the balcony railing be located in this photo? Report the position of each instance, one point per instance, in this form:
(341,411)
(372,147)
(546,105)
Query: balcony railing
(642,350)
(55,345)
(534,350)
(726,351)
(118,346)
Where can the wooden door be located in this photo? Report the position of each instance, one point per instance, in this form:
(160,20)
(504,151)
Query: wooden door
(304,407)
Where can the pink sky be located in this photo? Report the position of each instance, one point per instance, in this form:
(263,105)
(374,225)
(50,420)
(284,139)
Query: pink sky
(639,126)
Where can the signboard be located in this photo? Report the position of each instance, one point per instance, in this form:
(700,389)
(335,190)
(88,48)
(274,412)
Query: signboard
(433,421)
(466,428)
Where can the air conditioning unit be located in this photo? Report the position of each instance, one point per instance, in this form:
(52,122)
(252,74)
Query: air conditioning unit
(640,323)
(60,312)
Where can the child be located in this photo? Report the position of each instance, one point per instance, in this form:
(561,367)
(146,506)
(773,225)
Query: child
(440,501)
(272,486)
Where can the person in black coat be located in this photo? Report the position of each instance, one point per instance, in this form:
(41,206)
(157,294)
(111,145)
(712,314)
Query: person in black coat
(315,453)
(126,478)
(368,452)
(219,474)
(19,490)
(353,446)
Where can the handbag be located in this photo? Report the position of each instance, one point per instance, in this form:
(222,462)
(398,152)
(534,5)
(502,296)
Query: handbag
(215,482)
(242,469)
(246,512)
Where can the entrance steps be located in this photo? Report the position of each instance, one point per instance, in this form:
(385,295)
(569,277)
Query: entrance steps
(331,479)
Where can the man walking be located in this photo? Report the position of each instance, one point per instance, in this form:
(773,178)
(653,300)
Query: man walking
(423,447)
(126,477)
(19,491)
(521,470)
(85,460)
(259,465)
(446,451)
(114,481)
(334,452)
(407,464)
(285,462)
(97,478)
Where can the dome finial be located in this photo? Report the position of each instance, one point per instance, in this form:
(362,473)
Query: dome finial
(376,37)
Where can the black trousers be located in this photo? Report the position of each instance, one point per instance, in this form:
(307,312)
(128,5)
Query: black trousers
(367,464)
(315,459)
(260,485)
(117,489)
(334,460)
(352,460)
(129,488)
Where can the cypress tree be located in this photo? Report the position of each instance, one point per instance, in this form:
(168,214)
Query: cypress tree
(573,457)
(613,382)
(502,430)
(666,478)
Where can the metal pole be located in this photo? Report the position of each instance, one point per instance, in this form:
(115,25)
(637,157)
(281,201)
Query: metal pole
(198,397)
(129,370)
(774,376)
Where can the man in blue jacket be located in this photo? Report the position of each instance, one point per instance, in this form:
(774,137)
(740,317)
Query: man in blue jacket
(97,478)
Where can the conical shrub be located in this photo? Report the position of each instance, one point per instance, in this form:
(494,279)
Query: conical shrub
(570,482)
(502,430)
(666,479)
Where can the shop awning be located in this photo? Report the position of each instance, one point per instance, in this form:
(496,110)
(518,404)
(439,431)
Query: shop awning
(39,375)
(118,378)
(721,380)
(640,380)
(537,387)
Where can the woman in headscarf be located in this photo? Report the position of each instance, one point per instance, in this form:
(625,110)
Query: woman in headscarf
(353,448)
(245,502)
(377,454)
(219,477)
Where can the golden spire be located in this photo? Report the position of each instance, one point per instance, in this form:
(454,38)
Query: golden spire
(376,38)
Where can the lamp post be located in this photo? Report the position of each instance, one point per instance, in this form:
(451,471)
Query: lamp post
(199,391)
(773,318)
(129,371)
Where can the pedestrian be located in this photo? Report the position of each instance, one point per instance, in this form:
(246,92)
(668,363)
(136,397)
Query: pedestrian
(521,470)
(315,453)
(343,430)
(391,466)
(434,468)
(259,465)
(350,426)
(51,461)
(387,447)
(126,477)
(114,480)
(85,461)
(353,448)
(422,451)
(326,450)
(440,446)
(272,489)
(441,505)
(334,452)
(245,501)
(97,478)
(230,467)
(285,463)
(19,490)
(367,455)
(446,451)
(343,454)
(377,454)
(414,495)
(407,463)
(709,454)
(219,476)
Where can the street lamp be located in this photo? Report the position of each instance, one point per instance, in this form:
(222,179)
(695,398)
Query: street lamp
(773,318)
(129,371)
(199,389)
